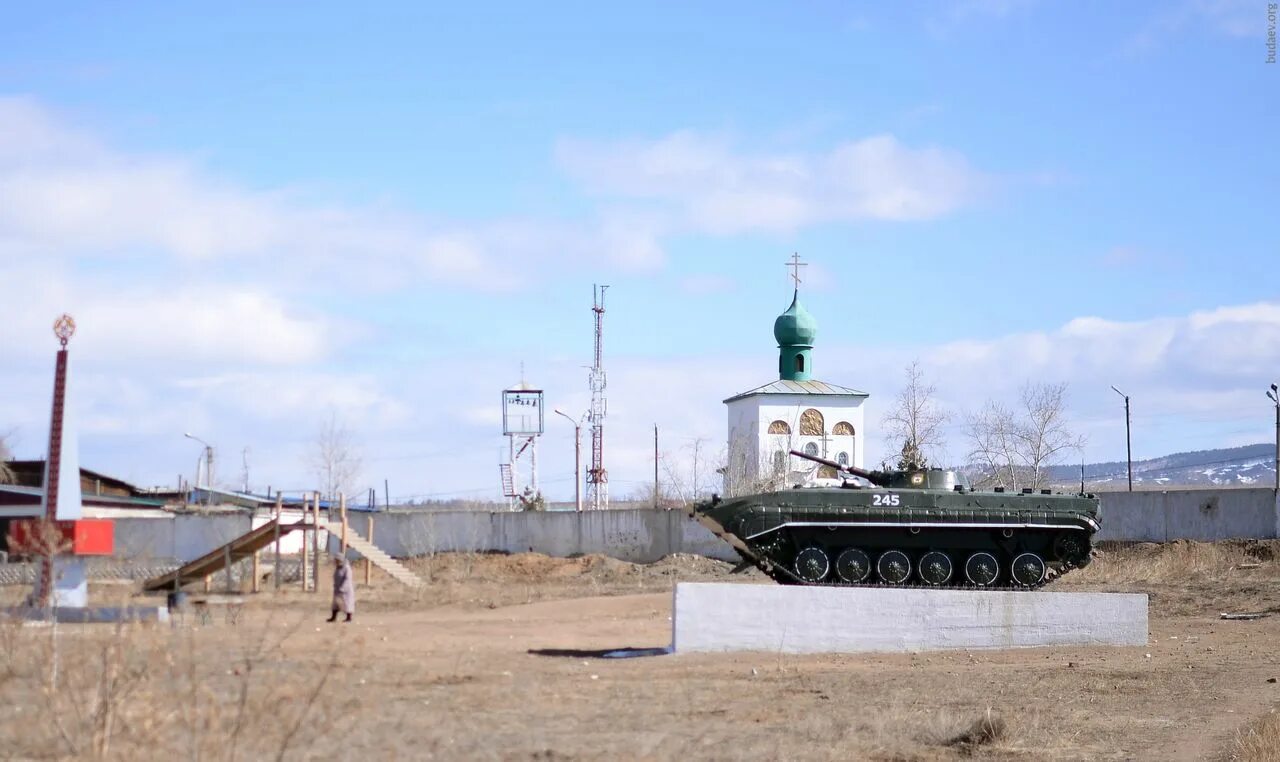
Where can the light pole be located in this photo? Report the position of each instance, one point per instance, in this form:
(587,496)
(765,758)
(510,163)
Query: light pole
(577,458)
(1274,394)
(1128,439)
(208,467)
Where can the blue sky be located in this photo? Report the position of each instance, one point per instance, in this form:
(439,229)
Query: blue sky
(262,214)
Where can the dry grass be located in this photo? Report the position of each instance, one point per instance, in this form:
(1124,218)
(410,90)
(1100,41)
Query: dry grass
(448,672)
(133,691)
(1187,578)
(1259,741)
(1179,562)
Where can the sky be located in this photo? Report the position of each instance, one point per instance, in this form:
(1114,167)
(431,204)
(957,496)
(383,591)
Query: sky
(266,216)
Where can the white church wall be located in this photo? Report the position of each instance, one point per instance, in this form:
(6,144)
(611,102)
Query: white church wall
(752,448)
(790,408)
(743,468)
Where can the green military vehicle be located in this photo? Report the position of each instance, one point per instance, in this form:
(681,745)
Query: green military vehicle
(914,527)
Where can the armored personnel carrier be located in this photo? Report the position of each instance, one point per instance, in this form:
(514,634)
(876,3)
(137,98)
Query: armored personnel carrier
(913,527)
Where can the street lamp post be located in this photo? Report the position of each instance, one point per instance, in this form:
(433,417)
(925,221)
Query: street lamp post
(208,467)
(1128,439)
(577,458)
(1274,394)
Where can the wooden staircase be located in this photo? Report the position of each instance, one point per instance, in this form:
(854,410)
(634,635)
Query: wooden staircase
(220,558)
(377,556)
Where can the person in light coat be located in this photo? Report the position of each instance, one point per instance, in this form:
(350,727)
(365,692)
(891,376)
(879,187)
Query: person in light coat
(344,589)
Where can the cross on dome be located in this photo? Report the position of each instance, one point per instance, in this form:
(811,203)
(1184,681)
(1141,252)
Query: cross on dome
(795,264)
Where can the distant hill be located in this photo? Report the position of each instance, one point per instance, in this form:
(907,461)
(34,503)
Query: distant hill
(1248,466)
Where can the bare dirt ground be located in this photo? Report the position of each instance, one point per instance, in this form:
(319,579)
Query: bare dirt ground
(499,657)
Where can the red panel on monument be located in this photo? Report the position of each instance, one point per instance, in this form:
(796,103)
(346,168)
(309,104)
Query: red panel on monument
(93,537)
(77,537)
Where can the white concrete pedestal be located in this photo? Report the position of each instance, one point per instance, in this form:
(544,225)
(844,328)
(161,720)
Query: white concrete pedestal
(794,619)
(70,583)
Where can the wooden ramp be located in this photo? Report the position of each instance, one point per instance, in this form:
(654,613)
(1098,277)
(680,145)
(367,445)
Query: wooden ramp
(238,549)
(376,555)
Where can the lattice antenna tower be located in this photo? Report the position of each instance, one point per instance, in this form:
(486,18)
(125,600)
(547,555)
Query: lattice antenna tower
(598,475)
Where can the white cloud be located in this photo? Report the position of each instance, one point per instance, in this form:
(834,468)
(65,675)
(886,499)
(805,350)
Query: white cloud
(218,322)
(1229,18)
(65,194)
(1234,18)
(1190,376)
(711,187)
(942,20)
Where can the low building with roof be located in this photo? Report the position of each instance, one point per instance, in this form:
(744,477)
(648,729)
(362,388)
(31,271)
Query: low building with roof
(101,496)
(797,411)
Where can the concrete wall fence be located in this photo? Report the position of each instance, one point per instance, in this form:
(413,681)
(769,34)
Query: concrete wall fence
(1200,514)
(644,536)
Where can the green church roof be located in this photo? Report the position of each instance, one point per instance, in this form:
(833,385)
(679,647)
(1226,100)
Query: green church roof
(783,386)
(795,327)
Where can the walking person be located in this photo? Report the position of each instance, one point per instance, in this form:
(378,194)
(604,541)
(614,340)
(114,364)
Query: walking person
(344,589)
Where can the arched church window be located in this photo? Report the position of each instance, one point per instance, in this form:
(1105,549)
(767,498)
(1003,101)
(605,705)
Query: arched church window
(811,449)
(799,363)
(779,427)
(843,458)
(843,428)
(780,463)
(811,423)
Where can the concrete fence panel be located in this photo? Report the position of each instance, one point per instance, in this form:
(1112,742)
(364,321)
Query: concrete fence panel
(696,539)
(194,535)
(144,539)
(1220,514)
(556,534)
(641,536)
(1202,514)
(1133,516)
(423,533)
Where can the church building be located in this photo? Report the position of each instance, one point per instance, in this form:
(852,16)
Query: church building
(795,412)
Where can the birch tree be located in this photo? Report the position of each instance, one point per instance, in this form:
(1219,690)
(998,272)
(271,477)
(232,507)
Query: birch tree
(1013,448)
(335,459)
(913,426)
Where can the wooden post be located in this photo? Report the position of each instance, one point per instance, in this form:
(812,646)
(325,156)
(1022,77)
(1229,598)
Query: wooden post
(306,545)
(342,502)
(256,569)
(226,560)
(276,573)
(315,546)
(208,582)
(367,563)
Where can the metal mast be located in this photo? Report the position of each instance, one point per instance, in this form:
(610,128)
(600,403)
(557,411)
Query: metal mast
(597,475)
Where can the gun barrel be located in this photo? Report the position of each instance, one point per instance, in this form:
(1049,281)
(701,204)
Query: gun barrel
(870,476)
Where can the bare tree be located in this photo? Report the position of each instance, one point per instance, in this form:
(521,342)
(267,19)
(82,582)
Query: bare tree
(747,470)
(335,459)
(913,426)
(6,455)
(994,446)
(675,488)
(1014,448)
(698,467)
(688,476)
